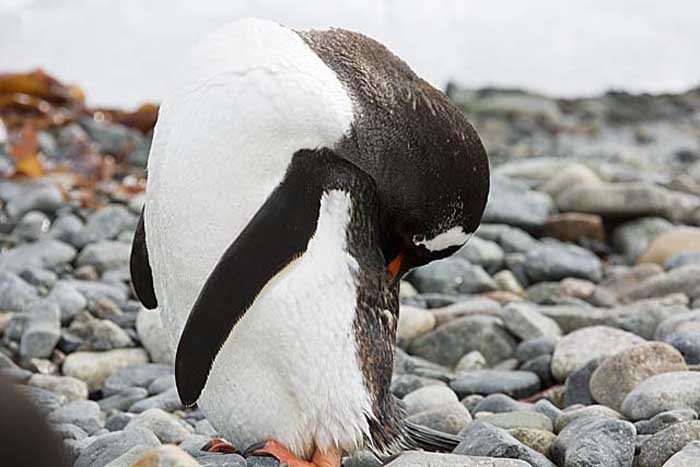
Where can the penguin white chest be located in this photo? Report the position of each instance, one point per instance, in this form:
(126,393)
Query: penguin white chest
(289,369)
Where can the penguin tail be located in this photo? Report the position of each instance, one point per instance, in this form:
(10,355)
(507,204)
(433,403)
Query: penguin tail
(427,439)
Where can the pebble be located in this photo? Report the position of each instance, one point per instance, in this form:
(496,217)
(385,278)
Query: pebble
(679,322)
(173,456)
(512,202)
(42,330)
(161,384)
(38,277)
(541,366)
(413,322)
(471,361)
(137,375)
(130,457)
(574,227)
(499,403)
(401,385)
(517,384)
(450,417)
(96,291)
(45,401)
(655,451)
(539,440)
(99,334)
(682,259)
(43,254)
(71,388)
(536,347)
(105,255)
(552,260)
(517,419)
(108,447)
(664,420)
(168,401)
(15,293)
(619,374)
(574,350)
(428,397)
(35,196)
(81,413)
(482,439)
(424,459)
(69,431)
(688,344)
(32,226)
(506,281)
(680,280)
(632,238)
(484,253)
(670,243)
(105,224)
(689,456)
(167,427)
(118,421)
(598,411)
(95,367)
(153,337)
(616,200)
(577,385)
(452,275)
(525,322)
(448,343)
(663,392)
(595,441)
(123,400)
(65,227)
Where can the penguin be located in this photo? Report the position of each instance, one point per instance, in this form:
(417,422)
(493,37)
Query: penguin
(294,178)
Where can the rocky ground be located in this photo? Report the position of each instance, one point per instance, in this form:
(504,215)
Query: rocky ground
(566,333)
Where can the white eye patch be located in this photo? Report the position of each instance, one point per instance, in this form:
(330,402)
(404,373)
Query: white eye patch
(456,236)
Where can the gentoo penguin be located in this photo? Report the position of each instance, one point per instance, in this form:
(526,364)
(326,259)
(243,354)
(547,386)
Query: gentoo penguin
(294,178)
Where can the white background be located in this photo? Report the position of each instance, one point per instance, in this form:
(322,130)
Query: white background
(123,52)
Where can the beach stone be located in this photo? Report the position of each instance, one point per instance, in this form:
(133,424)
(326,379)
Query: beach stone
(679,322)
(683,259)
(664,420)
(108,447)
(105,224)
(595,441)
(632,238)
(428,397)
(643,317)
(680,280)
(42,330)
(507,282)
(517,384)
(65,226)
(535,347)
(689,456)
(401,385)
(667,244)
(167,427)
(99,334)
(38,277)
(539,440)
(105,255)
(81,413)
(577,385)
(484,253)
(663,392)
(574,350)
(46,401)
(482,439)
(129,457)
(170,456)
(68,299)
(452,275)
(431,459)
(616,200)
(15,293)
(572,175)
(552,260)
(463,306)
(500,403)
(541,366)
(95,367)
(525,322)
(656,450)
(161,384)
(123,400)
(69,431)
(40,196)
(471,361)
(546,407)
(96,291)
(153,337)
(32,226)
(688,344)
(619,374)
(575,226)
(413,322)
(118,421)
(517,419)
(448,343)
(450,417)
(138,375)
(71,388)
(45,254)
(512,202)
(168,401)
(598,411)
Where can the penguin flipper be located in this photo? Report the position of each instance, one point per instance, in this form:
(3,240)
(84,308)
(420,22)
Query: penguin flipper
(140,268)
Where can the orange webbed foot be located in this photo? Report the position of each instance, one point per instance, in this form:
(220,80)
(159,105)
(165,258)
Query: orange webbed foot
(219,445)
(285,456)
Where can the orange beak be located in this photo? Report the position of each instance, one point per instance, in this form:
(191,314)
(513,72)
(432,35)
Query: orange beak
(395,265)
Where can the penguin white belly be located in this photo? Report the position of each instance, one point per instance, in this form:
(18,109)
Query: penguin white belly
(289,369)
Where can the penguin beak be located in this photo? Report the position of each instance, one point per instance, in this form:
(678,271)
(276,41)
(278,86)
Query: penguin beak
(394,266)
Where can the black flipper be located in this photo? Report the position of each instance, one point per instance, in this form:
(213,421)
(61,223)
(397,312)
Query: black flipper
(278,233)
(427,439)
(141,275)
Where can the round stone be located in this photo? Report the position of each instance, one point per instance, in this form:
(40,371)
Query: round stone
(660,393)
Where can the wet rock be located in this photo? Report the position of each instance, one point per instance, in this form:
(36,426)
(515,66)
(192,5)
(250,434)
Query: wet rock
(551,260)
(655,451)
(578,348)
(619,374)
(95,367)
(449,342)
(663,392)
(482,439)
(517,384)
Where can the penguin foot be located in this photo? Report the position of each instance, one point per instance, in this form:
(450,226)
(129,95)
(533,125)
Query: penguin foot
(275,449)
(219,445)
